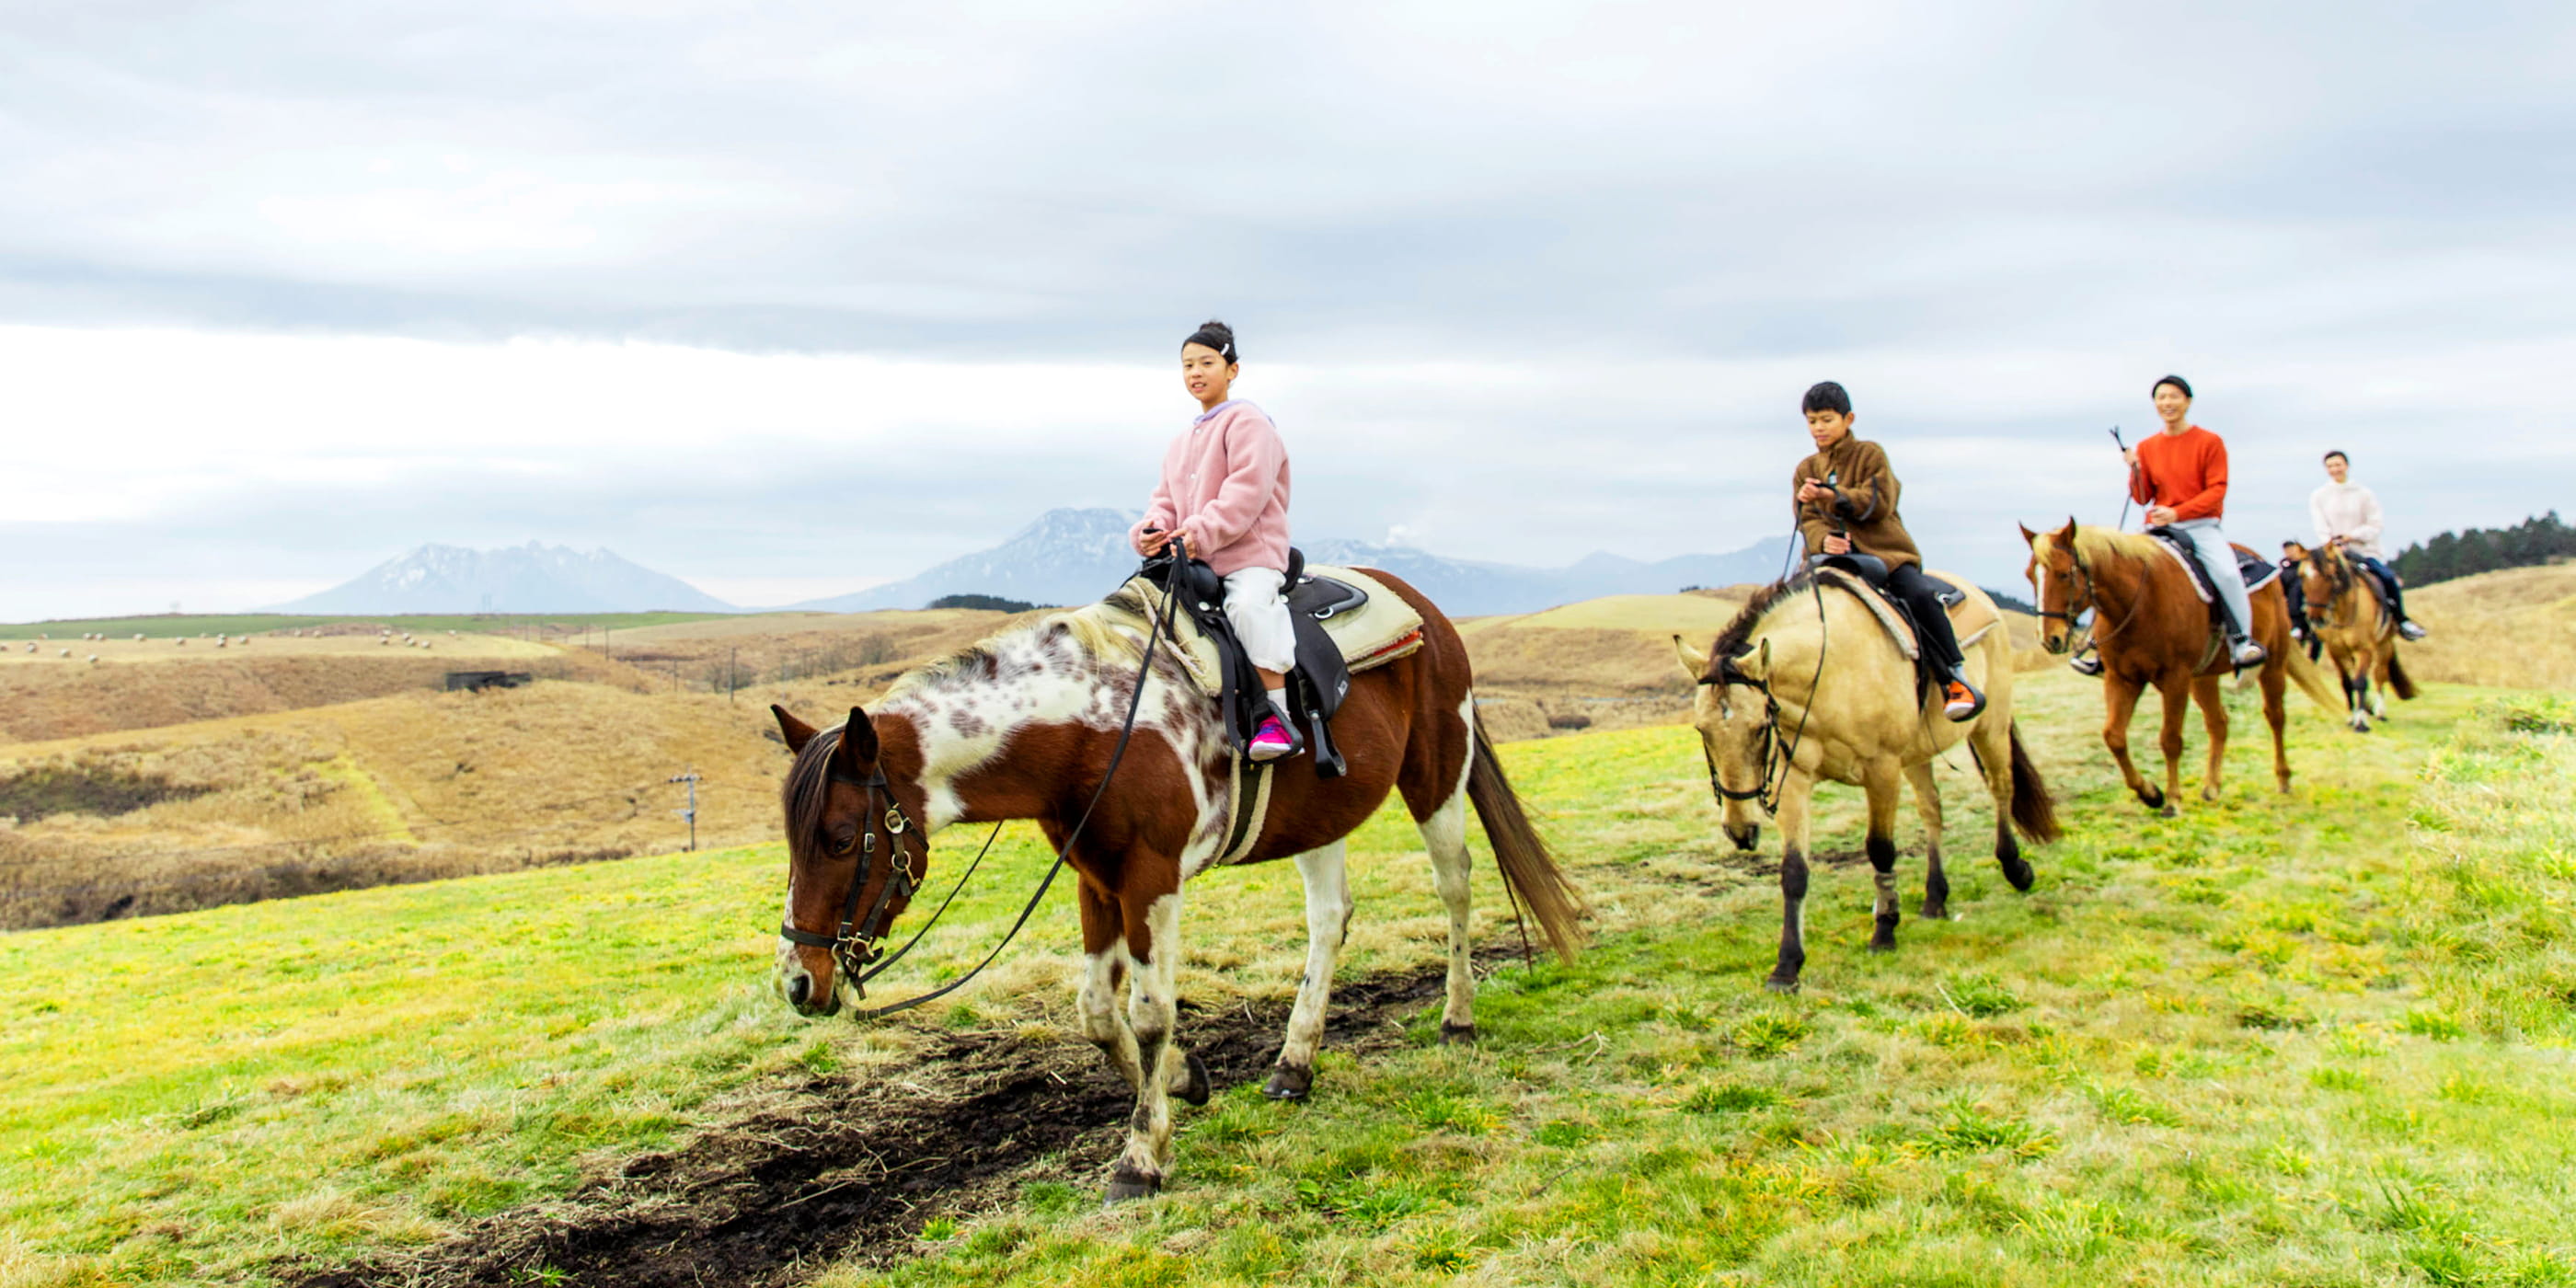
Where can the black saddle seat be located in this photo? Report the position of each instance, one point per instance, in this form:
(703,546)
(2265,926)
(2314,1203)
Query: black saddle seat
(2257,571)
(1319,681)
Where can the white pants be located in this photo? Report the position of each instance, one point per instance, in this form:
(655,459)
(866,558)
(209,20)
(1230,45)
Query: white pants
(2219,559)
(1260,617)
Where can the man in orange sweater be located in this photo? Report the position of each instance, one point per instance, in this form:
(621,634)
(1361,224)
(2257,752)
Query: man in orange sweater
(2180,475)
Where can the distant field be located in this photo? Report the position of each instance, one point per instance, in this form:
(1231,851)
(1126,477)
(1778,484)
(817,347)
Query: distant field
(167,625)
(2312,1039)
(2516,626)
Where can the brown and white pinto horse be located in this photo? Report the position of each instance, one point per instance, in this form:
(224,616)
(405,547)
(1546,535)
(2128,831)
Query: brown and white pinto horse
(2152,628)
(2353,622)
(1024,726)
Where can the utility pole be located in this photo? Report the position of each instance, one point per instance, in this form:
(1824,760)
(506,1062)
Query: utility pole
(730,686)
(691,813)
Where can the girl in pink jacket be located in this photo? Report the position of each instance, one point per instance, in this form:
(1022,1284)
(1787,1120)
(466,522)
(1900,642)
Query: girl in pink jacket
(1224,492)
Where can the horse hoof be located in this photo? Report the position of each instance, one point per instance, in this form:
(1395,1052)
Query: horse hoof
(2169,812)
(1935,911)
(1882,946)
(1288,1083)
(2153,796)
(1779,985)
(1126,1185)
(1457,1034)
(1195,1089)
(2018,871)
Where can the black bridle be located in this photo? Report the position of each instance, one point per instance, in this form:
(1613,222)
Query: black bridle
(854,945)
(1765,791)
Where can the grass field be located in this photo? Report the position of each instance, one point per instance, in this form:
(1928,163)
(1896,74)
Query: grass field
(2319,1040)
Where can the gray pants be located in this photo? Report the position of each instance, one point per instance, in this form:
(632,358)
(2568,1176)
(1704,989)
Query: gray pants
(2219,559)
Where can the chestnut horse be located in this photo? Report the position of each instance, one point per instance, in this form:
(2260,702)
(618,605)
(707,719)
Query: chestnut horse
(2354,624)
(1028,725)
(2152,628)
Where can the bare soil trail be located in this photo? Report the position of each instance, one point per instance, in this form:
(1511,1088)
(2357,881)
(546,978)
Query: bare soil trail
(853,1167)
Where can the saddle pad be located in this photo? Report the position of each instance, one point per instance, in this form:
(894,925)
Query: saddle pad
(1374,634)
(2257,571)
(1969,624)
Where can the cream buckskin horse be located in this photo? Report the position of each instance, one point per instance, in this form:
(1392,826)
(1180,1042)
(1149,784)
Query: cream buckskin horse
(1804,686)
(2358,632)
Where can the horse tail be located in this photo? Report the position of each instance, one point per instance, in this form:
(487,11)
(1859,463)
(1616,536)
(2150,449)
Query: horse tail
(2033,811)
(2398,680)
(2312,681)
(1528,869)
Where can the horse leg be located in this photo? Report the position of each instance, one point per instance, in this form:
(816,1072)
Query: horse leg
(2276,713)
(1795,789)
(2213,718)
(2379,667)
(1927,803)
(1444,834)
(1880,782)
(1993,740)
(2120,701)
(1105,953)
(2169,739)
(1153,991)
(1328,922)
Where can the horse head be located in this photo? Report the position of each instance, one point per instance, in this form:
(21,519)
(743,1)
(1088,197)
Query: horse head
(2325,575)
(855,854)
(1733,712)
(2059,580)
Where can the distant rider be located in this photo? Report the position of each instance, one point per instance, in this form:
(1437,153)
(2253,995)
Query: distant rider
(1224,492)
(2180,475)
(2294,554)
(1845,501)
(2347,514)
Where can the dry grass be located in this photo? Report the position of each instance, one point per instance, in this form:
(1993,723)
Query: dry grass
(2515,627)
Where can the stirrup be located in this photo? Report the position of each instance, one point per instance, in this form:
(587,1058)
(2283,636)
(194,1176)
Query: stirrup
(2238,648)
(2411,630)
(1976,703)
(2085,663)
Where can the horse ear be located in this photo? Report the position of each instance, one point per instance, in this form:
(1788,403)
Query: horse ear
(2070,527)
(1694,662)
(2028,537)
(797,732)
(1758,666)
(858,740)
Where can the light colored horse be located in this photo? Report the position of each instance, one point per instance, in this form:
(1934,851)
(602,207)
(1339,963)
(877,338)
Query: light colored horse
(1026,725)
(1806,686)
(2358,631)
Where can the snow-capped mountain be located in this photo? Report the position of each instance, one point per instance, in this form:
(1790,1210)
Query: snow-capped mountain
(1075,556)
(1067,557)
(519,579)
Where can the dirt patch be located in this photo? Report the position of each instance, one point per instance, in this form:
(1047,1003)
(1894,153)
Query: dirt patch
(854,1167)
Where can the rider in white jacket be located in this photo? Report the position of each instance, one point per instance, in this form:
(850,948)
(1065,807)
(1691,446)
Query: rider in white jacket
(2347,514)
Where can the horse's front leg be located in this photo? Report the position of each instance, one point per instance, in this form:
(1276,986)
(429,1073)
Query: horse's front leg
(1927,803)
(1328,922)
(1154,944)
(2177,700)
(2120,705)
(1104,947)
(1881,783)
(1795,789)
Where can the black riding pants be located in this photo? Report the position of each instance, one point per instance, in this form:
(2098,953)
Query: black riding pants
(2298,594)
(1922,597)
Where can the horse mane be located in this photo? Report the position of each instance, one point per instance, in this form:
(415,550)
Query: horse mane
(1091,630)
(808,788)
(2098,544)
(1737,639)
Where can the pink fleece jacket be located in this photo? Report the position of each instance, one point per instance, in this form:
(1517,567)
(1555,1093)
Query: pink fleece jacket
(1226,480)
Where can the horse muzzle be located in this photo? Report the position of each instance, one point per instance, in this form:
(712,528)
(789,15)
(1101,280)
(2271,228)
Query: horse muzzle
(811,996)
(1745,836)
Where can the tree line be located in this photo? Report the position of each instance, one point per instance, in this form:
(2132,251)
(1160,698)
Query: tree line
(2475,550)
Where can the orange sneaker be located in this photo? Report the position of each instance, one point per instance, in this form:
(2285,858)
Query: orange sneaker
(1959,701)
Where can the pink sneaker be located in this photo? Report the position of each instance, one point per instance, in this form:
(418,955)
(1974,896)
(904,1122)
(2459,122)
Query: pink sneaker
(1273,739)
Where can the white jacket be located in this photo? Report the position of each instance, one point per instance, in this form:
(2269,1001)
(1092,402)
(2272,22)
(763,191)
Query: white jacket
(2349,511)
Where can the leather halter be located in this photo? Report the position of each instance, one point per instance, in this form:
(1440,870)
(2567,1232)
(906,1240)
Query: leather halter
(854,945)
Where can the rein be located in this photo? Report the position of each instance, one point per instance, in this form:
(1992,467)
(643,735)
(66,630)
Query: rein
(1766,789)
(855,951)
(2092,600)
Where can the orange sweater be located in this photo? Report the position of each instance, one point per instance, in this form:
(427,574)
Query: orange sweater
(2187,471)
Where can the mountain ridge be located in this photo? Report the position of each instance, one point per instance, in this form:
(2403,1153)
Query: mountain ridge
(534,578)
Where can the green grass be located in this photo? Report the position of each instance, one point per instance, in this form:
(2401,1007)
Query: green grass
(2320,1040)
(167,625)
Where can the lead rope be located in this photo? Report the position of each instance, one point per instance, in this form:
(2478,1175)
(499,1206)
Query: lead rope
(1135,701)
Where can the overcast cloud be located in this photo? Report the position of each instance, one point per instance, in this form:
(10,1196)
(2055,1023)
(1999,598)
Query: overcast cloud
(791,298)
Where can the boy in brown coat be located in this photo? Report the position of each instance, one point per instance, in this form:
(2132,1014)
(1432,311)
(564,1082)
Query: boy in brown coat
(1846,504)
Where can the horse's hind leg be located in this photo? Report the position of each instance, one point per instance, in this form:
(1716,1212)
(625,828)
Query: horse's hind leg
(1927,802)
(1444,834)
(1881,784)
(1328,923)
(2213,718)
(2276,713)
(1992,739)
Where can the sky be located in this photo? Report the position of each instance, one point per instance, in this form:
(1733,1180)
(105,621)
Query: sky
(790,299)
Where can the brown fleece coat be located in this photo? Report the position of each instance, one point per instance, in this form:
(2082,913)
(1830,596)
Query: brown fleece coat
(1866,507)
